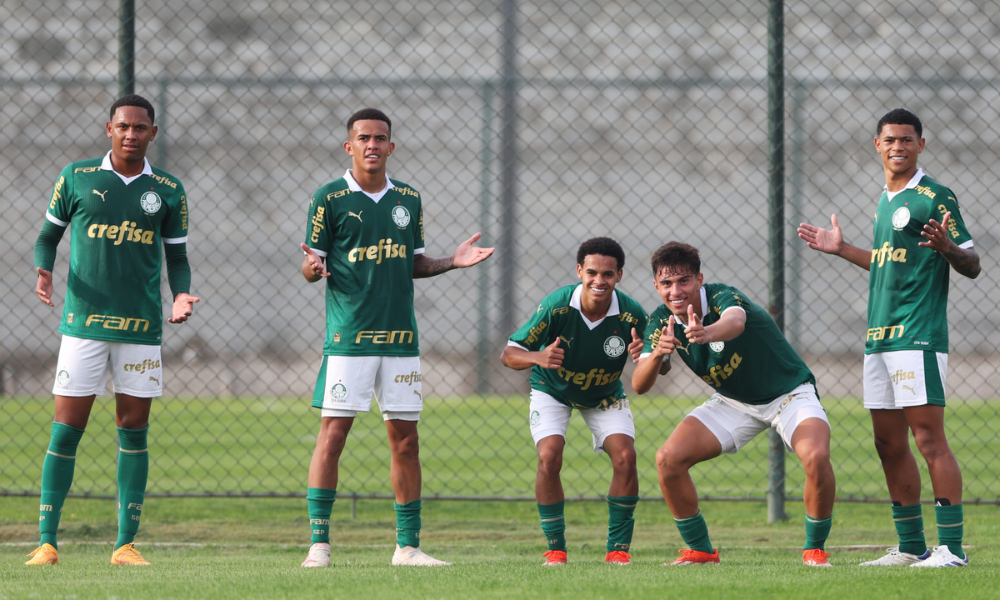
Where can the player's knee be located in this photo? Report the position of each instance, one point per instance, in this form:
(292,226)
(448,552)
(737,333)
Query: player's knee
(549,460)
(669,462)
(623,460)
(888,448)
(407,447)
(931,445)
(815,460)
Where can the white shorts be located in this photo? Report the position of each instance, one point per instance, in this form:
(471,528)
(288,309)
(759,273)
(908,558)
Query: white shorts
(345,386)
(82,368)
(904,378)
(548,417)
(735,423)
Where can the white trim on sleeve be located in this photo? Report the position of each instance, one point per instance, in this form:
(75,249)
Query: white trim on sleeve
(733,308)
(320,253)
(516,345)
(55,221)
(417,251)
(180,240)
(964,245)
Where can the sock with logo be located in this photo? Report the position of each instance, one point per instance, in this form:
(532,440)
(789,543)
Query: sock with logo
(817,530)
(57,477)
(320,508)
(408,524)
(554,524)
(620,521)
(133,469)
(910,528)
(694,532)
(950,527)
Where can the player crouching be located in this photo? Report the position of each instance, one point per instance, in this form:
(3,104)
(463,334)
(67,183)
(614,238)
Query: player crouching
(760,382)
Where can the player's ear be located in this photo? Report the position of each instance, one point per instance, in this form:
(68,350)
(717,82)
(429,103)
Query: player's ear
(920,147)
(347,147)
(619,280)
(107,128)
(392,146)
(152,136)
(579,271)
(701,279)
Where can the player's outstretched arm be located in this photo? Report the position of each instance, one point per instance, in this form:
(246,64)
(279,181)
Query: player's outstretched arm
(550,357)
(465,255)
(183,307)
(44,286)
(965,261)
(649,368)
(313,268)
(831,241)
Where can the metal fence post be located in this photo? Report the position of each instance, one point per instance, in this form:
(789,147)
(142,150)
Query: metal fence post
(508,170)
(483,281)
(126,47)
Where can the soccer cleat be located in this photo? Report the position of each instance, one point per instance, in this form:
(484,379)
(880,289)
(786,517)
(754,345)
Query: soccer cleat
(894,558)
(409,556)
(618,557)
(695,557)
(319,556)
(942,556)
(128,555)
(46,554)
(555,558)
(815,557)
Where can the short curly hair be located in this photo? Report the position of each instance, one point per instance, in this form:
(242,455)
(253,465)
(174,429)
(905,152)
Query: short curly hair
(900,116)
(369,114)
(676,257)
(132,100)
(604,246)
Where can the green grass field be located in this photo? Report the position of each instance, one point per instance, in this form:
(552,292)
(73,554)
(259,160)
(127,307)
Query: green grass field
(250,548)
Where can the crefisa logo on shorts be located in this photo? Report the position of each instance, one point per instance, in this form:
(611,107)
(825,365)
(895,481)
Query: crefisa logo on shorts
(62,378)
(614,346)
(338,392)
(400,216)
(150,202)
(717,347)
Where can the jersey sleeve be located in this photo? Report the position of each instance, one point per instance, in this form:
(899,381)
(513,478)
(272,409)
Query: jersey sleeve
(535,333)
(61,205)
(651,333)
(418,234)
(175,226)
(956,225)
(319,227)
(727,298)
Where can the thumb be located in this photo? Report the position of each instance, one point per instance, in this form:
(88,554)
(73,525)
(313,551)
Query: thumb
(833,221)
(944,221)
(307,249)
(475,237)
(555,344)
(193,299)
(692,318)
(635,336)
(670,325)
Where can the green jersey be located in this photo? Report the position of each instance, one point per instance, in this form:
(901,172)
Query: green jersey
(754,368)
(117,225)
(590,375)
(908,284)
(368,241)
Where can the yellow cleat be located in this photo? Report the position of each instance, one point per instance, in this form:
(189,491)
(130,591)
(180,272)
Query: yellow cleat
(128,555)
(46,554)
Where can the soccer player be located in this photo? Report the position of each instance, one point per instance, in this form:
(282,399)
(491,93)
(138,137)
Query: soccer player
(365,236)
(575,345)
(121,210)
(759,381)
(918,233)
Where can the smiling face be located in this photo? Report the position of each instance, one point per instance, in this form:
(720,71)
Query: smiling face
(899,146)
(130,130)
(678,289)
(369,146)
(599,274)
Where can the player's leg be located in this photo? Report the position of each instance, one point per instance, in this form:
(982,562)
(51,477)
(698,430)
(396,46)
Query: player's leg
(81,374)
(902,478)
(548,420)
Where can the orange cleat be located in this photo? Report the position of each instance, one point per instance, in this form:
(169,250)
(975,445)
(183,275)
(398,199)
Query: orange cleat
(555,558)
(695,557)
(814,557)
(46,554)
(618,557)
(128,555)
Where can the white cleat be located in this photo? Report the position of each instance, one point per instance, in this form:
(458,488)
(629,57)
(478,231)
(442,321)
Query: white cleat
(319,556)
(408,556)
(943,557)
(895,558)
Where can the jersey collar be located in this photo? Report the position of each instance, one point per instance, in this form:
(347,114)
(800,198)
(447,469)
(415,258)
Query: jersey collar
(354,187)
(574,302)
(909,185)
(106,166)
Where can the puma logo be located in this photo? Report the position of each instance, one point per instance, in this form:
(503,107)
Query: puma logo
(357,214)
(151,378)
(418,394)
(101,194)
(686,349)
(906,387)
(568,341)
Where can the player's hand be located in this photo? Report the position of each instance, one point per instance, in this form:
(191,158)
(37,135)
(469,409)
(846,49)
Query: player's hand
(695,330)
(829,241)
(936,235)
(183,307)
(667,342)
(551,357)
(44,286)
(313,264)
(467,255)
(635,348)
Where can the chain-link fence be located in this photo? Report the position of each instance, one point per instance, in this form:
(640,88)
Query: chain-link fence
(538,123)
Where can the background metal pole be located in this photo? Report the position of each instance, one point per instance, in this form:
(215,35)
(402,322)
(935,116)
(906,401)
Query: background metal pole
(483,280)
(508,169)
(126,47)
(776,242)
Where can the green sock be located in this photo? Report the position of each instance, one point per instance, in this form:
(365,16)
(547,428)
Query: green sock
(620,521)
(910,528)
(817,530)
(950,527)
(320,508)
(133,469)
(57,477)
(408,524)
(694,532)
(554,524)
